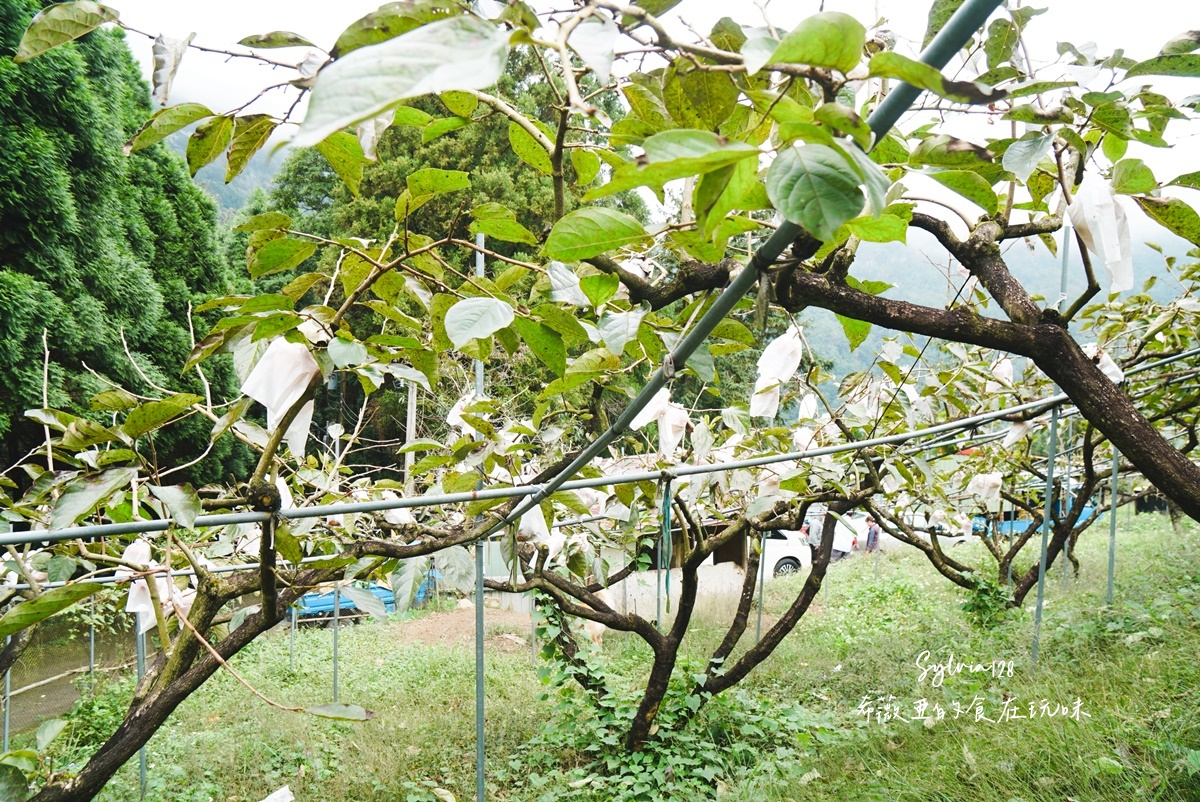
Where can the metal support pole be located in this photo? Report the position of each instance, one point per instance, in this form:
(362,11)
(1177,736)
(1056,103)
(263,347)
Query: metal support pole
(7,701)
(1067,505)
(140,642)
(668,543)
(1012,524)
(1112,524)
(410,427)
(92,638)
(658,584)
(480,756)
(762,582)
(337,610)
(292,641)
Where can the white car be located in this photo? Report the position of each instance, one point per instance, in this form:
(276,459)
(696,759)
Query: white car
(786,552)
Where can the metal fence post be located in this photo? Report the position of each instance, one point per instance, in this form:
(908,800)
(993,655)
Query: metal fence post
(92,638)
(140,643)
(7,701)
(292,641)
(762,582)
(480,738)
(1112,524)
(337,609)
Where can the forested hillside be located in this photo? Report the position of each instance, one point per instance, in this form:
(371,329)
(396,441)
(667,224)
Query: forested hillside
(94,243)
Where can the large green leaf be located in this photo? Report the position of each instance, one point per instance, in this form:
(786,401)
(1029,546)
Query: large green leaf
(278,255)
(1002,38)
(947,151)
(13,785)
(1022,157)
(1132,177)
(591,231)
(1173,215)
(829,39)
(586,164)
(366,601)
(545,343)
(250,133)
(528,149)
(28,613)
(476,318)
(672,155)
(922,76)
(1186,180)
(153,414)
(60,23)
(208,141)
(345,155)
(425,184)
(971,186)
(856,331)
(389,21)
(815,187)
(48,731)
(459,53)
(697,98)
(165,122)
(506,230)
(181,501)
(1184,66)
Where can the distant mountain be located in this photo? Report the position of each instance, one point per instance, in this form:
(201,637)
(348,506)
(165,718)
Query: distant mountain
(258,173)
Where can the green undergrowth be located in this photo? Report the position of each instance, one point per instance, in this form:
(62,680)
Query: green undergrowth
(1123,682)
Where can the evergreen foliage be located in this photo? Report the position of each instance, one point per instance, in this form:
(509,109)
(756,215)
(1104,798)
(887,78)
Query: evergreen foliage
(94,243)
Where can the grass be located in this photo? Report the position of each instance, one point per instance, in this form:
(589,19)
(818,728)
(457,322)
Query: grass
(1134,669)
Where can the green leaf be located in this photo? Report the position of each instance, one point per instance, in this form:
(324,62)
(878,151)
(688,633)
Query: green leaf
(250,133)
(287,544)
(60,568)
(461,104)
(265,221)
(529,149)
(342,712)
(923,76)
(1133,177)
(506,230)
(346,352)
(1184,43)
(28,613)
(432,181)
(463,52)
(275,39)
(586,164)
(591,231)
(599,288)
(815,187)
(698,98)
(345,155)
(617,329)
(208,141)
(278,255)
(545,343)
(60,23)
(1186,180)
(884,228)
(846,120)
(476,318)
(971,186)
(829,39)
(672,155)
(856,330)
(165,122)
(939,14)
(48,731)
(390,20)
(181,501)
(1173,215)
(1184,66)
(445,125)
(1002,38)
(947,151)
(13,785)
(153,414)
(1029,113)
(113,400)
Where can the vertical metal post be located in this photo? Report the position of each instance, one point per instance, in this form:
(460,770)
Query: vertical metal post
(140,642)
(1012,524)
(410,427)
(658,584)
(1051,457)
(1112,524)
(7,701)
(1067,505)
(480,742)
(292,641)
(337,611)
(762,582)
(92,638)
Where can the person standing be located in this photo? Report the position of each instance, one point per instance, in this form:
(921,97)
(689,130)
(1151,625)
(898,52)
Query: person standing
(872,535)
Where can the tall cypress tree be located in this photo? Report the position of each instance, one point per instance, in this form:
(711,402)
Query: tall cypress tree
(94,243)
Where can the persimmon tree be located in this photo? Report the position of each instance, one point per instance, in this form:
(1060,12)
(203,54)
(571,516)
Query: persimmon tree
(758,122)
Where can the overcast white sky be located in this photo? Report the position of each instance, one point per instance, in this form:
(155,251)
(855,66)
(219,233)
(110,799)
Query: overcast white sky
(1141,28)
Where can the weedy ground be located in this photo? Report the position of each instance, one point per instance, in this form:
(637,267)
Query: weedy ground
(796,729)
